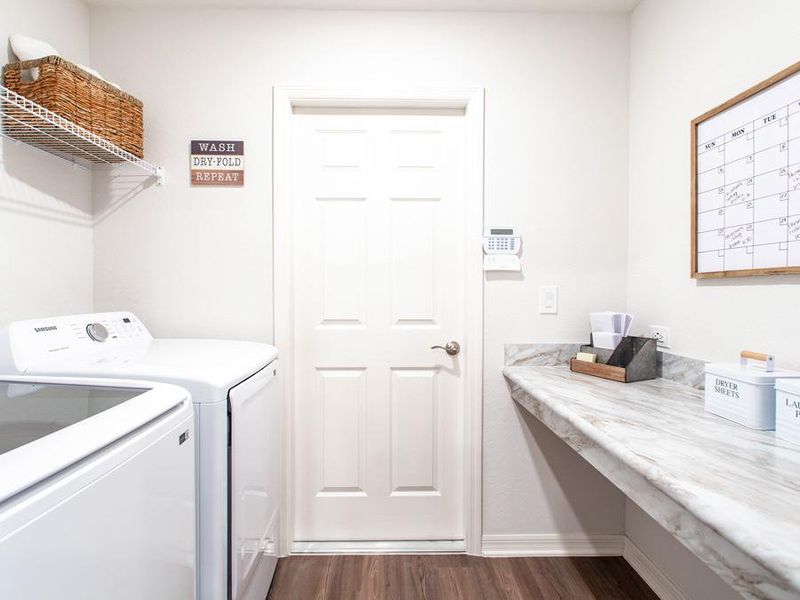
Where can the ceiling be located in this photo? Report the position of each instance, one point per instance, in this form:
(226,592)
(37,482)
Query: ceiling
(454,5)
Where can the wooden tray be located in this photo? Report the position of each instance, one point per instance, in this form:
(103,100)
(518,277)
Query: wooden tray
(599,370)
(634,359)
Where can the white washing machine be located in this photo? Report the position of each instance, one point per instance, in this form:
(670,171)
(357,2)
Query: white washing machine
(237,418)
(97,490)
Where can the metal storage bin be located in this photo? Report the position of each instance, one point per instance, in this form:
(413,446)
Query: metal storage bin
(743,392)
(787,410)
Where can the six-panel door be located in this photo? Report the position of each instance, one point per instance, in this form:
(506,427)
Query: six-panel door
(379,246)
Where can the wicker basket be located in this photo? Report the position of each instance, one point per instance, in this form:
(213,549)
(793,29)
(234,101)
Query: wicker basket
(87,101)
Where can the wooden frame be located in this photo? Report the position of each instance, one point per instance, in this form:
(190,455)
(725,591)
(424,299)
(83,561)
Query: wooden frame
(471,100)
(767,83)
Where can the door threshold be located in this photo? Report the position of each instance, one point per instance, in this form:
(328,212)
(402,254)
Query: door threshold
(384,547)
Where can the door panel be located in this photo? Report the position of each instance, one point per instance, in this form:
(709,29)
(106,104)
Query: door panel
(342,395)
(414,223)
(379,217)
(343,259)
(414,443)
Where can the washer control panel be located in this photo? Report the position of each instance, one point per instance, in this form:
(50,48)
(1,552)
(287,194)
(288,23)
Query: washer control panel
(36,341)
(104,327)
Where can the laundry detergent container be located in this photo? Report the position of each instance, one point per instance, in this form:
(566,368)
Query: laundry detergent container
(787,410)
(745,392)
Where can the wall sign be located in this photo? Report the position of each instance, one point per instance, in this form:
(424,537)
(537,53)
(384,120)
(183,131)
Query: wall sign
(217,162)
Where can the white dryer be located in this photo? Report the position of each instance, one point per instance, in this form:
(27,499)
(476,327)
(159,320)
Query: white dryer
(237,417)
(97,490)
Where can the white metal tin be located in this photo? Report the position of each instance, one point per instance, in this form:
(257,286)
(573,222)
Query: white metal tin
(787,410)
(743,393)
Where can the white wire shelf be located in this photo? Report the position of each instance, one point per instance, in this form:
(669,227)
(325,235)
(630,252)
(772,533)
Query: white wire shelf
(28,122)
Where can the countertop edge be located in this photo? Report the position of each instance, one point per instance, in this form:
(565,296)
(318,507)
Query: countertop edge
(779,586)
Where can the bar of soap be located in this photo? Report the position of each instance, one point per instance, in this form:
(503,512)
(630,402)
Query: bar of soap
(586,357)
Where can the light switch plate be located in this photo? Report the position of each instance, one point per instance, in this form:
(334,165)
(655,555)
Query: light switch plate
(548,299)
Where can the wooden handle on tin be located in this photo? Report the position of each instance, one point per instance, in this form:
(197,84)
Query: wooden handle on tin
(756,355)
(769,359)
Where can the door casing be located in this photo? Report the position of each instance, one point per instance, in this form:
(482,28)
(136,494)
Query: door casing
(286,99)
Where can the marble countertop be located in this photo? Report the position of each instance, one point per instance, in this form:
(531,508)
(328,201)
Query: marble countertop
(730,494)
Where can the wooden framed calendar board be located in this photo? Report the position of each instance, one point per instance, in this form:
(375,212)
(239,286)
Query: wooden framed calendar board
(745,162)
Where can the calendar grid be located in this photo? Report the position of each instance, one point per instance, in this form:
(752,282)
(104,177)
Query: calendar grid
(755,181)
(724,212)
(763,150)
(745,178)
(746,182)
(753,175)
(786,107)
(788,180)
(753,223)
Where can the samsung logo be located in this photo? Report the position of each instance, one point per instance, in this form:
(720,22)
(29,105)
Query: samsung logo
(42,329)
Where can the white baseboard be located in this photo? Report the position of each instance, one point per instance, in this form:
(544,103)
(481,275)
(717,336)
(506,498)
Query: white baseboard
(553,545)
(368,547)
(652,575)
(584,545)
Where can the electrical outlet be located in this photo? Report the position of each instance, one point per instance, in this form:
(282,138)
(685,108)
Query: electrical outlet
(661,335)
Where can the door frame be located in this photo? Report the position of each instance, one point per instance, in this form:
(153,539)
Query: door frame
(469,99)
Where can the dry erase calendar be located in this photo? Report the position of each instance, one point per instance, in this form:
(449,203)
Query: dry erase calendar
(746,182)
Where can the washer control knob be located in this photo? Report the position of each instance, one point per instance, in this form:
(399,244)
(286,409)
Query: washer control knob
(97,332)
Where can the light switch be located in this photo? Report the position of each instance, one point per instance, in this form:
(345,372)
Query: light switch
(548,299)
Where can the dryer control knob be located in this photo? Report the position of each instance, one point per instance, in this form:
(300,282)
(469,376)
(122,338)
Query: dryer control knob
(97,332)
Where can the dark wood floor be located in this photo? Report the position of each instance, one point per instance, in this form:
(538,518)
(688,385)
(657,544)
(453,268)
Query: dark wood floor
(456,577)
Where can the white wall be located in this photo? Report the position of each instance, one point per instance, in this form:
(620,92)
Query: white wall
(197,261)
(683,568)
(45,204)
(688,56)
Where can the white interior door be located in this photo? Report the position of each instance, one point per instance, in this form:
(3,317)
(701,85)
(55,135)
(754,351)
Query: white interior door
(379,277)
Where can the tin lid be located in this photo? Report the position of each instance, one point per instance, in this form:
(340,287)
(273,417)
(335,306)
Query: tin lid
(756,375)
(788,385)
